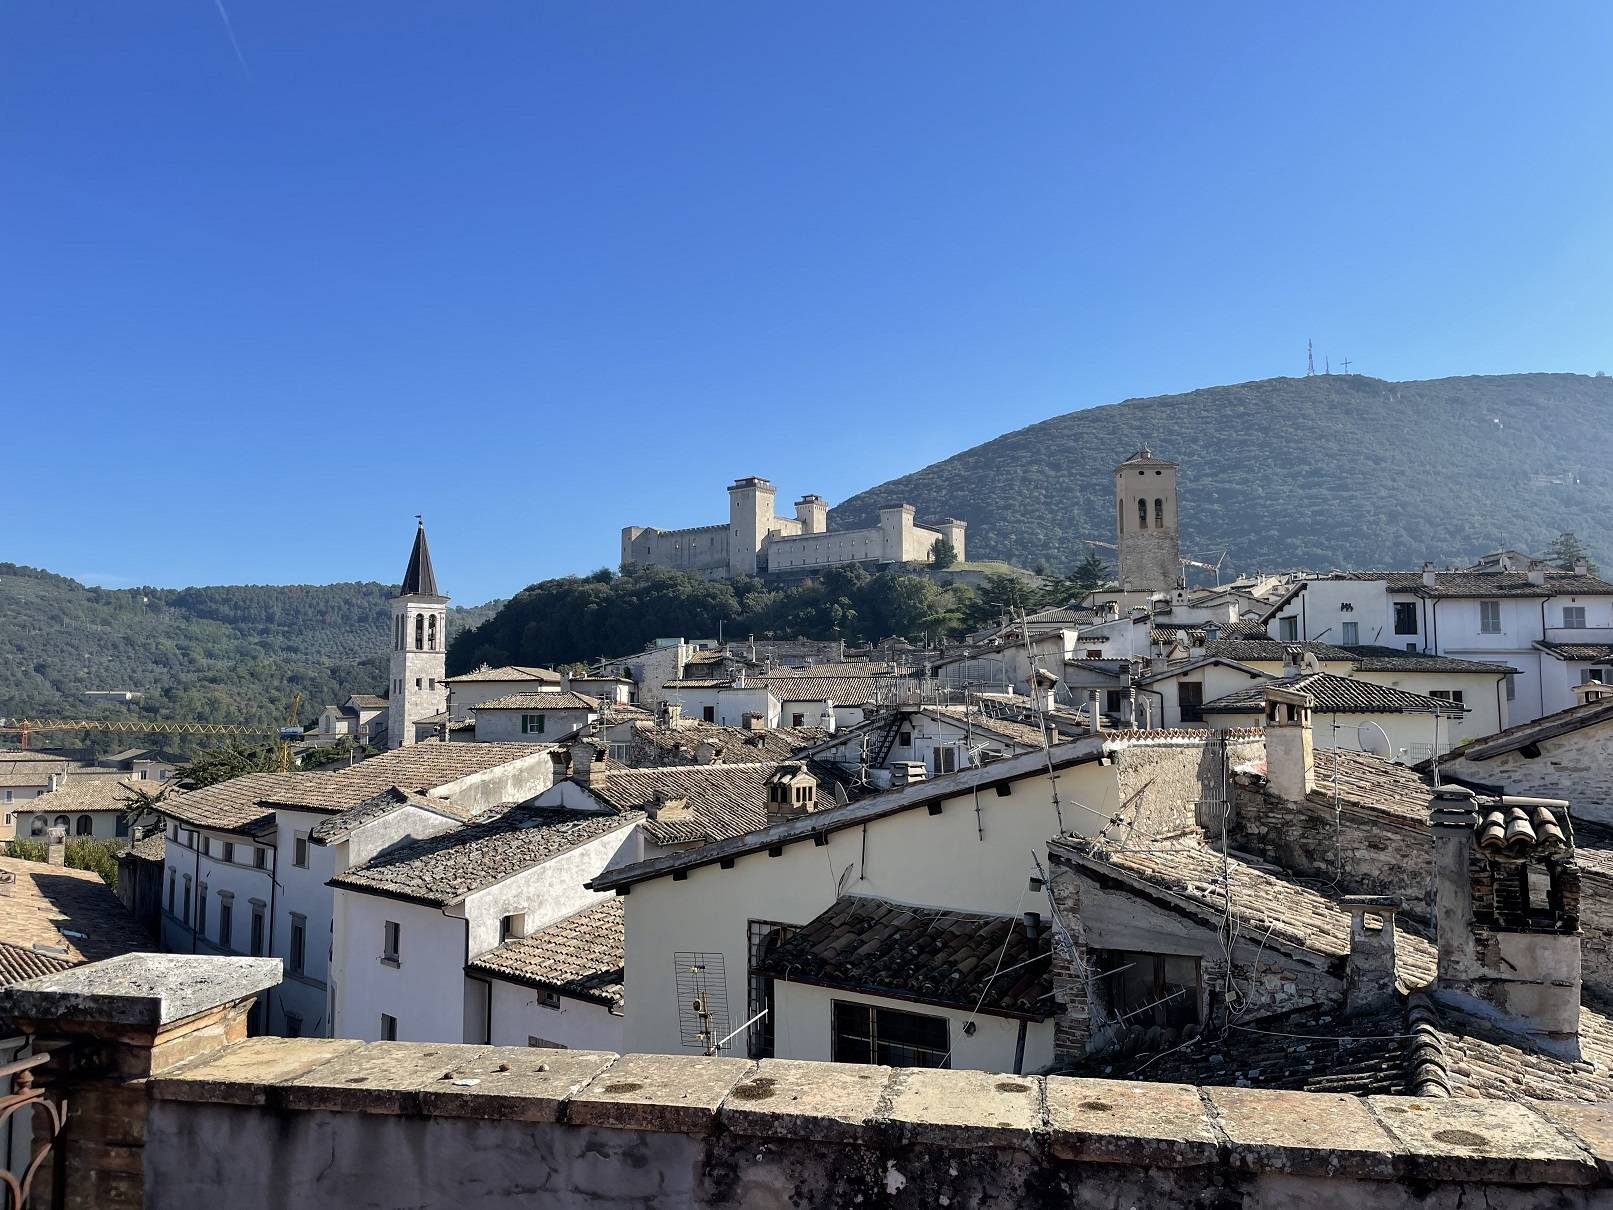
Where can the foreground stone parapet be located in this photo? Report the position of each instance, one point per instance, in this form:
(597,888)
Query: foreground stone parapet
(140,990)
(487,1126)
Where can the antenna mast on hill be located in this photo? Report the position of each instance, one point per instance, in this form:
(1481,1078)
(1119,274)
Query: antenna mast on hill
(1310,361)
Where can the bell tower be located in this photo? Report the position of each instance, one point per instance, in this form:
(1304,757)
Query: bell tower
(1145,524)
(419,646)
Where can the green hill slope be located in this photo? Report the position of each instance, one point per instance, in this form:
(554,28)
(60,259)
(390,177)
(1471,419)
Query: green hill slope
(1331,471)
(230,654)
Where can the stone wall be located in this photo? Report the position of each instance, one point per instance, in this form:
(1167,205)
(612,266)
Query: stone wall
(1363,850)
(1574,767)
(1163,777)
(173,1109)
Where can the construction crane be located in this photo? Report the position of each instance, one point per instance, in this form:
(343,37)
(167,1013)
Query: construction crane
(289,732)
(23,728)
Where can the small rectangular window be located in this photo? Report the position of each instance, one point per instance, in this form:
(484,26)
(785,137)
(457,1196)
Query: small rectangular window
(512,926)
(1489,617)
(226,921)
(299,943)
(229,851)
(708,714)
(391,935)
(185,905)
(549,999)
(1405,617)
(1511,680)
(389,1028)
(1574,617)
(299,851)
(544,1043)
(865,1034)
(170,890)
(904,739)
(201,909)
(260,858)
(255,947)
(1351,632)
(1288,629)
(532,724)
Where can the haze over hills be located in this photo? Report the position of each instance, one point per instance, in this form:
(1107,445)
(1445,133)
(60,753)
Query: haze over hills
(1330,471)
(225,654)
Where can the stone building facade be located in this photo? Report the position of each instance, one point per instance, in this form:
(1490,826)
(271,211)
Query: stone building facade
(1146,530)
(757,540)
(419,647)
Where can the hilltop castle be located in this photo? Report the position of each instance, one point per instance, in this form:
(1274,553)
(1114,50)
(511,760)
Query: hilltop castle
(757,541)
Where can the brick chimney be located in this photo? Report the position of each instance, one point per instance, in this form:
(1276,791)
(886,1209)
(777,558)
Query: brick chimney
(671,714)
(1370,974)
(1506,912)
(1290,755)
(586,767)
(56,846)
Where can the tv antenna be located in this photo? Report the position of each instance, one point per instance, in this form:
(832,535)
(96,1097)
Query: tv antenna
(1310,361)
(702,1000)
(1346,364)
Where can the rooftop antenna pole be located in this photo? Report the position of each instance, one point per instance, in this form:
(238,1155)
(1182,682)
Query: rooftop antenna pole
(1310,361)
(1346,364)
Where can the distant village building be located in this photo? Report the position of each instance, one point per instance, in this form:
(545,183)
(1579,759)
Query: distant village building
(756,540)
(419,647)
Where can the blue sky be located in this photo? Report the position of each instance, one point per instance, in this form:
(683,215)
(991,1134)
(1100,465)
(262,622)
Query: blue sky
(541,270)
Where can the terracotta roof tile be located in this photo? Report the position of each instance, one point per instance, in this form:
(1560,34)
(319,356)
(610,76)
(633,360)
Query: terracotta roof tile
(580,956)
(66,916)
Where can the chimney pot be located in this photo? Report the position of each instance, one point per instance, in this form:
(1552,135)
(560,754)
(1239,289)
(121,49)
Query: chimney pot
(56,846)
(1370,972)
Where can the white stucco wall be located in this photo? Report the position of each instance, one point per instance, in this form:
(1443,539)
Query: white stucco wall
(504,726)
(428,1006)
(953,860)
(519,1015)
(465,696)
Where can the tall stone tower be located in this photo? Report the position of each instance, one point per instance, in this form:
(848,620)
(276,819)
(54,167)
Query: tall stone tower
(1145,519)
(750,519)
(419,643)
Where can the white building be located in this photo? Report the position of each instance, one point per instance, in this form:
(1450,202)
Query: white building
(419,647)
(1554,627)
(421,944)
(544,717)
(954,853)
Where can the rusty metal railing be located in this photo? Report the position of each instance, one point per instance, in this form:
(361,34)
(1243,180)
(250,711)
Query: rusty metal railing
(25,1094)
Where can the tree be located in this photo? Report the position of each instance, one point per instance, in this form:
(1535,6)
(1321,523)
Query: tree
(1568,550)
(141,805)
(80,853)
(213,765)
(338,753)
(943,554)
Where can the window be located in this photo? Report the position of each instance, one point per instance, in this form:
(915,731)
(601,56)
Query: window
(83,826)
(1574,617)
(544,1043)
(260,858)
(37,827)
(207,846)
(255,945)
(391,935)
(1351,633)
(293,1025)
(532,724)
(1142,514)
(1288,629)
(162,775)
(1159,513)
(1149,989)
(797,720)
(1511,680)
(184,913)
(62,822)
(170,886)
(1190,700)
(8,795)
(512,926)
(299,943)
(431,633)
(1459,696)
(201,909)
(946,760)
(389,1028)
(1601,675)
(1489,617)
(865,1034)
(419,632)
(548,999)
(1113,699)
(226,920)
(299,850)
(708,714)
(144,775)
(1405,617)
(904,739)
(763,937)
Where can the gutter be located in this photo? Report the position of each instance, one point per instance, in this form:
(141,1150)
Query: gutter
(1540,666)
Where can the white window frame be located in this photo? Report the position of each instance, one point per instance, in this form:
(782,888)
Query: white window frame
(1490,611)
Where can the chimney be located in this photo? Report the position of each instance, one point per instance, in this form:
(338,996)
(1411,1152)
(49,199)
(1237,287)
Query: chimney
(1293,660)
(791,793)
(826,719)
(586,766)
(56,846)
(1094,714)
(1370,975)
(754,722)
(1429,579)
(1506,913)
(907,773)
(53,783)
(705,752)
(665,803)
(1537,574)
(671,714)
(1582,567)
(1290,757)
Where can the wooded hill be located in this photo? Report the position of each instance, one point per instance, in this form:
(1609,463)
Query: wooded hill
(229,654)
(1334,471)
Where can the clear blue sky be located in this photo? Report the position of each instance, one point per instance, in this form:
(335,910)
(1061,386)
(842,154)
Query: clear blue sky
(541,270)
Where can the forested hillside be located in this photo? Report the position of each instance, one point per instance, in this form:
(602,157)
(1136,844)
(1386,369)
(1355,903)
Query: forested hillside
(1335,471)
(233,654)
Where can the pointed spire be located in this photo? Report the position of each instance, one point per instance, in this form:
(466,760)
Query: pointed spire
(419,580)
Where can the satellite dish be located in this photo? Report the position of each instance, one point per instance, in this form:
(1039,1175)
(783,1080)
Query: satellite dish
(1374,739)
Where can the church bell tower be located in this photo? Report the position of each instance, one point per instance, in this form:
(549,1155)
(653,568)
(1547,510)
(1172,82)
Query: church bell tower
(419,646)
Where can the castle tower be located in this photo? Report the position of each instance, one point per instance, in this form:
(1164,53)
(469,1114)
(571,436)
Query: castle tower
(750,519)
(1145,524)
(419,643)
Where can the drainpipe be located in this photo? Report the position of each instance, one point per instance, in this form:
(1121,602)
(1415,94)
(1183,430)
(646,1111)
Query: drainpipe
(1540,659)
(195,884)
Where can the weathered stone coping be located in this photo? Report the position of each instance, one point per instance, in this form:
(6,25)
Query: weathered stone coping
(1054,1118)
(143,990)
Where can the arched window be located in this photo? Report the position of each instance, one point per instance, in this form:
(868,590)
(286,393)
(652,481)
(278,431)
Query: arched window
(419,632)
(431,633)
(63,822)
(84,827)
(1159,513)
(1142,513)
(1120,507)
(397,636)
(37,828)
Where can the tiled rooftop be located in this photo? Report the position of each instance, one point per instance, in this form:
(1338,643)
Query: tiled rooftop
(1333,695)
(508,672)
(444,869)
(540,701)
(931,956)
(733,745)
(380,806)
(719,801)
(52,917)
(580,956)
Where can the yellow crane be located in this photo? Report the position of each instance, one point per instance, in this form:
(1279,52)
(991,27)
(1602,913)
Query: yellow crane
(23,728)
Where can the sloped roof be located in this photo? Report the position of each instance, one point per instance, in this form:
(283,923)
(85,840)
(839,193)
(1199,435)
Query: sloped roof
(77,792)
(443,869)
(581,956)
(1549,726)
(842,690)
(507,672)
(53,917)
(1376,658)
(720,801)
(380,806)
(1485,583)
(733,745)
(1334,695)
(540,701)
(1575,651)
(964,960)
(29,772)
(419,580)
